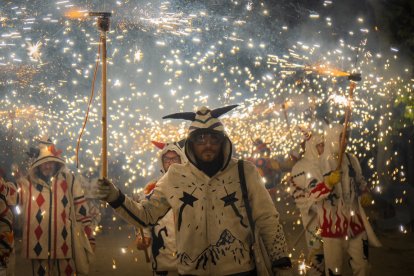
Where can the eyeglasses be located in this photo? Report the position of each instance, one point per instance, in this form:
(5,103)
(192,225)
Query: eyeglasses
(175,159)
(213,138)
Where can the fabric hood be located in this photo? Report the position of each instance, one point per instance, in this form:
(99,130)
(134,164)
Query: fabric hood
(332,134)
(45,152)
(311,152)
(165,147)
(206,119)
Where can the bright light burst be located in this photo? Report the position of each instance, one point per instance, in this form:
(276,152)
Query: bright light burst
(165,57)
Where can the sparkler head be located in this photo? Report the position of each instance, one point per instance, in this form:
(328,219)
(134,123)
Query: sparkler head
(103,20)
(103,17)
(100,14)
(355,77)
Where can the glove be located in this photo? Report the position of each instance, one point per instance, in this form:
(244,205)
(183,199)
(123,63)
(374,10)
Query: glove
(282,267)
(333,178)
(366,199)
(142,244)
(107,191)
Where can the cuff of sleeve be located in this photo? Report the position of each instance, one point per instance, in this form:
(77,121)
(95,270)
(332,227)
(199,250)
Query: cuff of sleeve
(117,202)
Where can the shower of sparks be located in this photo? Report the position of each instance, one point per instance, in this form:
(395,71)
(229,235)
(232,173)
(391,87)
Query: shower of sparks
(34,50)
(166,57)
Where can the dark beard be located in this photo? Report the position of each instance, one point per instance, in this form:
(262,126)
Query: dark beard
(212,167)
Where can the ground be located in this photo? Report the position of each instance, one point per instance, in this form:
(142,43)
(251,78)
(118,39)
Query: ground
(116,254)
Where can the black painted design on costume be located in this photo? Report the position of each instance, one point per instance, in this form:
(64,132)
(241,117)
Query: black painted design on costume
(226,244)
(231,199)
(157,244)
(187,199)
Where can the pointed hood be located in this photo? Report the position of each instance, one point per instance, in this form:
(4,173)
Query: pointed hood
(205,119)
(166,147)
(311,152)
(45,152)
(332,134)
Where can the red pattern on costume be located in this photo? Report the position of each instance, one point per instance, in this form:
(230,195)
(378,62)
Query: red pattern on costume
(47,229)
(149,187)
(356,227)
(321,188)
(53,150)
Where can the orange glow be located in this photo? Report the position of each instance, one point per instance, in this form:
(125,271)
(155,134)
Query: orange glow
(326,70)
(76,14)
(21,113)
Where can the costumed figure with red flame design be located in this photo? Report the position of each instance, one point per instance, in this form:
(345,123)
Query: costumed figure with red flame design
(306,175)
(344,225)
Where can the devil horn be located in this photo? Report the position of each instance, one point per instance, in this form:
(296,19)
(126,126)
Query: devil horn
(183,115)
(221,110)
(158,144)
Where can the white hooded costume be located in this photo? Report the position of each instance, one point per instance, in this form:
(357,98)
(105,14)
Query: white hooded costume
(306,179)
(343,222)
(212,228)
(162,234)
(48,205)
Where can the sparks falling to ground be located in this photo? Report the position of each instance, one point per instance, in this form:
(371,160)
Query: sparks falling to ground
(166,56)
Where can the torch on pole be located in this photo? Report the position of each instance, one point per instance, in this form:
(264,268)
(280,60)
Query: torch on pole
(103,26)
(354,78)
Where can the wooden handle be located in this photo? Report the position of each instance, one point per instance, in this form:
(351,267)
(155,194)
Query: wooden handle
(147,258)
(346,123)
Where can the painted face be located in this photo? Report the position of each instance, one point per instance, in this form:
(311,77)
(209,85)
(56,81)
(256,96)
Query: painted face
(207,145)
(169,158)
(320,148)
(48,168)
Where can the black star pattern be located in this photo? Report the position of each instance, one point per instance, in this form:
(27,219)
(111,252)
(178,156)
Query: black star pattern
(187,199)
(230,199)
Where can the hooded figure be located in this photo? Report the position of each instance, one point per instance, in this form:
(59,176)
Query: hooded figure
(161,236)
(212,228)
(342,219)
(271,170)
(47,197)
(307,186)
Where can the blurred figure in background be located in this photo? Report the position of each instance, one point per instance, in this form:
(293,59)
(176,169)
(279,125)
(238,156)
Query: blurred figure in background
(161,236)
(46,198)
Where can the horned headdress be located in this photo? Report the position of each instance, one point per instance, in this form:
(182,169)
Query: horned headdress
(206,119)
(203,118)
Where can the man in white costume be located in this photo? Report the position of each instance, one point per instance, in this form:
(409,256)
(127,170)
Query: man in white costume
(344,225)
(305,177)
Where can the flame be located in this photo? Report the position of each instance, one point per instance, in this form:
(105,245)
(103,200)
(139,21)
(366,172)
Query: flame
(76,14)
(326,70)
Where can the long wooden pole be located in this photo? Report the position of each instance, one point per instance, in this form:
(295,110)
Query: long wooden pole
(348,110)
(104,109)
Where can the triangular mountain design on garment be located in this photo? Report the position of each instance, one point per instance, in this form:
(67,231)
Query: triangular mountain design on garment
(226,245)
